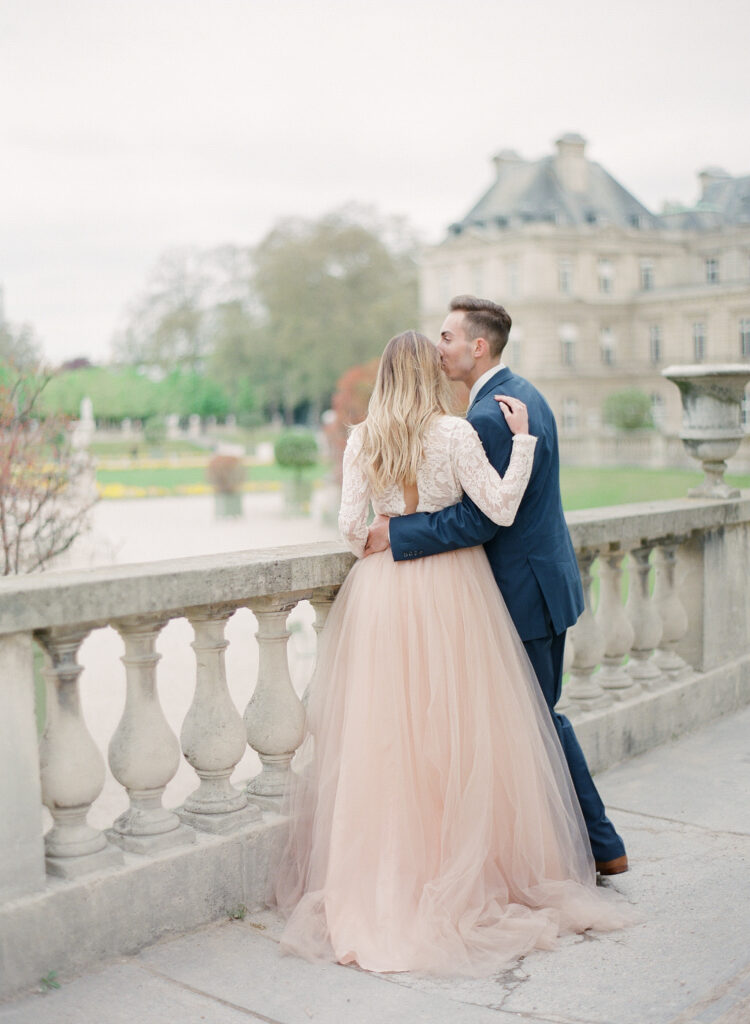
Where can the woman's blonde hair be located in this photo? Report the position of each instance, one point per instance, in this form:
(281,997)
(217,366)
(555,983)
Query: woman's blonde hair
(410,391)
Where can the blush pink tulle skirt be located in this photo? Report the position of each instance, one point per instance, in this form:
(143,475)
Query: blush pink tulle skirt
(433,823)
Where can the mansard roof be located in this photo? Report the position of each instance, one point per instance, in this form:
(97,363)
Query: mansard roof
(725,202)
(564,189)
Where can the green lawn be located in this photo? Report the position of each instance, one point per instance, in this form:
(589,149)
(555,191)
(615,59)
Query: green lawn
(170,478)
(125,449)
(581,487)
(592,488)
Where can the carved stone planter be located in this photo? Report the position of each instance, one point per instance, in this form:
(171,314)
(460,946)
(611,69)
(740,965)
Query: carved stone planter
(711,419)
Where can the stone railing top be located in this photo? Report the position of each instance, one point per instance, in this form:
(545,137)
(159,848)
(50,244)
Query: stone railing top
(627,526)
(97,596)
(168,589)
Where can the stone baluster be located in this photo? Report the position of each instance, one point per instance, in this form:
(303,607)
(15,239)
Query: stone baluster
(322,601)
(645,620)
(144,753)
(275,717)
(672,612)
(616,627)
(72,769)
(213,733)
(583,689)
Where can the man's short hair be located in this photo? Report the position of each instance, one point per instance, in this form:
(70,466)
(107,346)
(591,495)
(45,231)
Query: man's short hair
(484,319)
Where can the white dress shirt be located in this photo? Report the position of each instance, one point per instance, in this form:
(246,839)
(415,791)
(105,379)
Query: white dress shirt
(479,384)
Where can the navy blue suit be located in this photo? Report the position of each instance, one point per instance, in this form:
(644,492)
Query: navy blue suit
(533,562)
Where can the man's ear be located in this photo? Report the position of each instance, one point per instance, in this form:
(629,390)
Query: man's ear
(481,347)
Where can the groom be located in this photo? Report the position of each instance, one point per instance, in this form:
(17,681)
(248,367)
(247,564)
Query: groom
(533,560)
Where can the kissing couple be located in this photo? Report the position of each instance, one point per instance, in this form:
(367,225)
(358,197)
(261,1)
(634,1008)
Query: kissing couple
(442,815)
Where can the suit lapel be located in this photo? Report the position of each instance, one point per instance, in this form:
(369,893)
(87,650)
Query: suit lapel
(499,378)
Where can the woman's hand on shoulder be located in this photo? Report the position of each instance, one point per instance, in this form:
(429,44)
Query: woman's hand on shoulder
(515,412)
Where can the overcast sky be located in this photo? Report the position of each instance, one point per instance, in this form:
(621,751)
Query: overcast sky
(133,126)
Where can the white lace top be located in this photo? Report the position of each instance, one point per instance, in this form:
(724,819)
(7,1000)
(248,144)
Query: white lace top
(454,462)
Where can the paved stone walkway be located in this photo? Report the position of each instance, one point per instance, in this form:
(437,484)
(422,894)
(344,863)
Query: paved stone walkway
(684,810)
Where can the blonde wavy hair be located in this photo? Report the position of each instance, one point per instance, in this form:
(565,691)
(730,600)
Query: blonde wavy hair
(410,391)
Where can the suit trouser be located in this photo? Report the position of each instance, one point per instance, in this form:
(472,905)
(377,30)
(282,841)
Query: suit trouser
(546,656)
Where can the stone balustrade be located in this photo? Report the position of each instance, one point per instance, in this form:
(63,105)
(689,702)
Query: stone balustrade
(663,644)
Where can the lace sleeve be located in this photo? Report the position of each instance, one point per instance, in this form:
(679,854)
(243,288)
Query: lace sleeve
(355,499)
(498,497)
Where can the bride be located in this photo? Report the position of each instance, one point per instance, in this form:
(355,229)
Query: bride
(433,823)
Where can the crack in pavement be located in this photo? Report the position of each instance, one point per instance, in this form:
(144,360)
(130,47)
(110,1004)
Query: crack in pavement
(252,1014)
(678,821)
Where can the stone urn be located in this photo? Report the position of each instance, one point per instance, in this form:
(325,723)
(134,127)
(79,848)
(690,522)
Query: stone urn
(711,419)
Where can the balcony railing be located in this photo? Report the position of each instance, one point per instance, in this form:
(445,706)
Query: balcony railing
(663,645)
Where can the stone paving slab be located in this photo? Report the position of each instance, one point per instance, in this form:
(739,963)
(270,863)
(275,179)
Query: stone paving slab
(685,816)
(121,993)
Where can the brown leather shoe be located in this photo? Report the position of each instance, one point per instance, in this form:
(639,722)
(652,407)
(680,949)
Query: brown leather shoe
(613,867)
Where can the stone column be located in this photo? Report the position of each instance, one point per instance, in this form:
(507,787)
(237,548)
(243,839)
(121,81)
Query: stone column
(213,733)
(671,610)
(616,627)
(645,620)
(275,717)
(322,602)
(144,753)
(583,690)
(72,769)
(21,842)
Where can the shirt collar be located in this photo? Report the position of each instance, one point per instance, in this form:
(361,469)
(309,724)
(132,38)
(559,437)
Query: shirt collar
(487,375)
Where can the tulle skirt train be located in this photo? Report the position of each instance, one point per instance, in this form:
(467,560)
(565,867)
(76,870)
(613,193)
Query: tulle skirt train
(433,823)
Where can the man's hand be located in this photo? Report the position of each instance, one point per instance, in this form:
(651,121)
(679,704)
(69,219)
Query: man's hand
(377,537)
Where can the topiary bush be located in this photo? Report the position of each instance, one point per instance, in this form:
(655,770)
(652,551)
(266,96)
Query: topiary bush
(629,409)
(226,473)
(297,450)
(155,431)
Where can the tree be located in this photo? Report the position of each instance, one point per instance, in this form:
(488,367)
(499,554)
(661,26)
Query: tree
(168,326)
(19,346)
(237,361)
(332,292)
(44,503)
(629,409)
(276,327)
(348,407)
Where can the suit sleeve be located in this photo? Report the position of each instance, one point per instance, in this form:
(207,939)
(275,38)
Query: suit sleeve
(462,525)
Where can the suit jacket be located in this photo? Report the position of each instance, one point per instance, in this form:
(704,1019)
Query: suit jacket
(533,560)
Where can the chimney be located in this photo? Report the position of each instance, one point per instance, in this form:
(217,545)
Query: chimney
(504,159)
(570,162)
(710,176)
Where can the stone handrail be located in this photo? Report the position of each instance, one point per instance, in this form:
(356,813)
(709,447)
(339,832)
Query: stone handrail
(683,630)
(97,596)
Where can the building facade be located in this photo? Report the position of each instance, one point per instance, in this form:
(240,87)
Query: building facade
(603,293)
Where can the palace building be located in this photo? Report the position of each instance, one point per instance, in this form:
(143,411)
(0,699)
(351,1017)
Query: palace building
(603,293)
